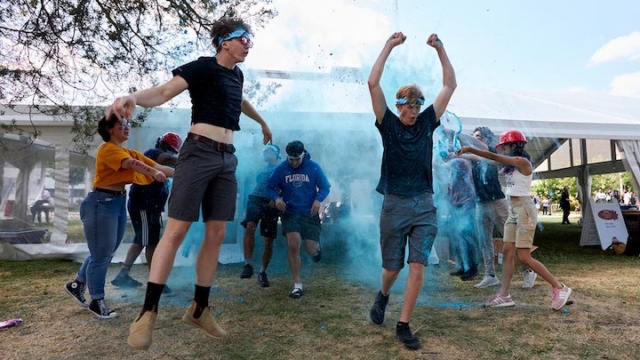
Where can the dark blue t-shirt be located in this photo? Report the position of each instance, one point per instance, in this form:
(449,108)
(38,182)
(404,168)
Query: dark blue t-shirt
(485,179)
(216,92)
(406,160)
(150,197)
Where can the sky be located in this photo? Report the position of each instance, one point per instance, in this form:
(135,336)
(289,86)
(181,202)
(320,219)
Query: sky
(527,46)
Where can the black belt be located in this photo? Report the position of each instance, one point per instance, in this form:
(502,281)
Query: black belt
(112,192)
(222,147)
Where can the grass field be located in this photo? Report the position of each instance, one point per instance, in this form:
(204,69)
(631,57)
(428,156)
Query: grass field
(331,320)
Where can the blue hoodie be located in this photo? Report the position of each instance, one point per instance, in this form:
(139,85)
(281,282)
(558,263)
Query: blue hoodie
(299,187)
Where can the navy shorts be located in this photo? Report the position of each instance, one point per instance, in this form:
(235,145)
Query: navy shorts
(407,220)
(204,176)
(259,211)
(308,226)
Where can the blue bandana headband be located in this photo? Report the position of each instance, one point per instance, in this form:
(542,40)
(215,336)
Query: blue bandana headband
(404,100)
(236,34)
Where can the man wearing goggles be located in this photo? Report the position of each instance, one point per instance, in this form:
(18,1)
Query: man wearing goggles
(206,176)
(406,182)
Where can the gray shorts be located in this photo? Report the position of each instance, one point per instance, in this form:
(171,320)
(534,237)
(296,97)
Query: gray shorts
(207,177)
(405,220)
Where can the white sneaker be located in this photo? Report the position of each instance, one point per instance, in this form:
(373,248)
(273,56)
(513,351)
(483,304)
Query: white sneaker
(487,281)
(528,279)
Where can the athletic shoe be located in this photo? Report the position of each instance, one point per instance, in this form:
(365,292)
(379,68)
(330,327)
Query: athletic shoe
(166,290)
(125,281)
(76,290)
(379,306)
(406,337)
(247,271)
(262,279)
(317,256)
(296,293)
(487,281)
(100,309)
(469,274)
(560,297)
(458,272)
(141,329)
(529,279)
(501,301)
(205,322)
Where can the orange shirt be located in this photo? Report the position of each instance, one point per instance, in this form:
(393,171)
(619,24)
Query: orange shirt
(109,169)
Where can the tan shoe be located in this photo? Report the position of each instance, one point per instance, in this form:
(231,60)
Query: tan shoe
(205,322)
(141,329)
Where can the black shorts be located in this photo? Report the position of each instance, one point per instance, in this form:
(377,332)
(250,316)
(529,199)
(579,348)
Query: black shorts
(259,211)
(308,226)
(146,226)
(207,177)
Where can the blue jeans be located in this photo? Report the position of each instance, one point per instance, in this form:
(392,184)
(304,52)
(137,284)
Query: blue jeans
(104,218)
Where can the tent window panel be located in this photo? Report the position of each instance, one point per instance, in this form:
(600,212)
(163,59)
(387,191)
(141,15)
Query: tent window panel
(575,151)
(598,151)
(560,159)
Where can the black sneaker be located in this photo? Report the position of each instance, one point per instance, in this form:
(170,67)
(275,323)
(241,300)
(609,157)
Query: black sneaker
(458,272)
(296,293)
(76,290)
(469,274)
(100,309)
(379,306)
(262,279)
(247,271)
(404,335)
(317,257)
(125,281)
(166,290)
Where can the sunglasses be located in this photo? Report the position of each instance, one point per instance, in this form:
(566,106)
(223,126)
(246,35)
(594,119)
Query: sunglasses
(404,101)
(125,124)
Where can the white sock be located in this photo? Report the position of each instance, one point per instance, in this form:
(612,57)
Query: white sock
(297,286)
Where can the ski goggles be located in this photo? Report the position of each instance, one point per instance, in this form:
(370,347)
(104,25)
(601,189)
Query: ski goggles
(240,34)
(404,101)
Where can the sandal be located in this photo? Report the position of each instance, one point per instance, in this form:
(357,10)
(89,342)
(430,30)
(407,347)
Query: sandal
(296,293)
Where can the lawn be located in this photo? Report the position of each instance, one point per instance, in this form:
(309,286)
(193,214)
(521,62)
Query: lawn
(331,320)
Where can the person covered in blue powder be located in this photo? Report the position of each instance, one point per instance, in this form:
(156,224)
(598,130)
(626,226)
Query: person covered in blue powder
(298,186)
(261,211)
(205,180)
(145,205)
(520,227)
(408,216)
(460,224)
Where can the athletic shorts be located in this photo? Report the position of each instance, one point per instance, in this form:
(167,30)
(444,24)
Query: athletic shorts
(146,226)
(308,226)
(407,220)
(204,177)
(521,223)
(259,211)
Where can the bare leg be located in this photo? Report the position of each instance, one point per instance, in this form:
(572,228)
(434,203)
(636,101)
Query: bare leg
(294,240)
(312,247)
(412,290)
(248,241)
(268,252)
(508,267)
(209,253)
(166,250)
(388,279)
(524,255)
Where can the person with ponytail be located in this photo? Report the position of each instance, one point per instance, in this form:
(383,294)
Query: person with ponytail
(520,226)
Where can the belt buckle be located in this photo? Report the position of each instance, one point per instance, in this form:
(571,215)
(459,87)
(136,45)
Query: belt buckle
(221,147)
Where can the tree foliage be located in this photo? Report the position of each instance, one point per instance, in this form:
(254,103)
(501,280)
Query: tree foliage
(65,58)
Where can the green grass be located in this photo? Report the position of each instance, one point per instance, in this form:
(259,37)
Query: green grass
(331,320)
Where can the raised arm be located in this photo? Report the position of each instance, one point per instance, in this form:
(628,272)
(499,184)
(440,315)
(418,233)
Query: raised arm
(251,112)
(377,95)
(449,83)
(155,96)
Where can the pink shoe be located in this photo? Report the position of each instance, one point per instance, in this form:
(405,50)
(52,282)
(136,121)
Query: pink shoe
(501,301)
(560,297)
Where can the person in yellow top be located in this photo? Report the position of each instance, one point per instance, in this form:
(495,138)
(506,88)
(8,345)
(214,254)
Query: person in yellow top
(104,213)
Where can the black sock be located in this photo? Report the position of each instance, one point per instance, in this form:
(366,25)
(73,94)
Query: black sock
(202,299)
(152,299)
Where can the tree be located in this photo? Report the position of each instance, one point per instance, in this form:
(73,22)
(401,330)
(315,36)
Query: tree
(65,57)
